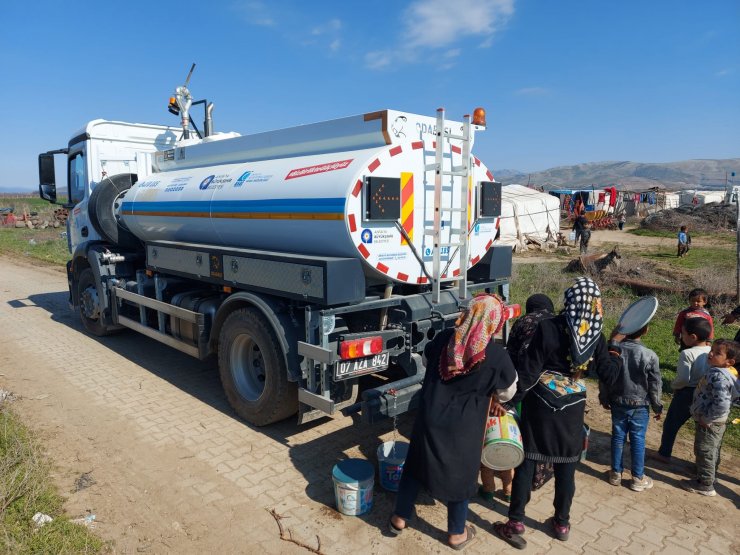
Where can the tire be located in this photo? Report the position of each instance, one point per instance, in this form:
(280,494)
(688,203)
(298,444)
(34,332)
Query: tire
(102,208)
(89,304)
(253,371)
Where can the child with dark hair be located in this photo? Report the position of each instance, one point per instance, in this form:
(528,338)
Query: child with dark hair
(683,242)
(697,301)
(692,364)
(629,400)
(713,398)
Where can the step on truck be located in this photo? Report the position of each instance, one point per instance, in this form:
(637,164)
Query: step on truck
(304,259)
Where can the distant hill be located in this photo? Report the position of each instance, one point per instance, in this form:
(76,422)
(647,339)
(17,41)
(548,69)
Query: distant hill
(702,174)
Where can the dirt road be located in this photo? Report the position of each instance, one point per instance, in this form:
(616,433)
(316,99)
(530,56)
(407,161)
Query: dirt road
(171,470)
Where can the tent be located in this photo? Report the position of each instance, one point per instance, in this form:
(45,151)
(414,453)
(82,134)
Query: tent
(701,197)
(671,200)
(527,215)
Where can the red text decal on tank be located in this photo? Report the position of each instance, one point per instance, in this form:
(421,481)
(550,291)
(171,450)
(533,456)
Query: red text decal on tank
(320,168)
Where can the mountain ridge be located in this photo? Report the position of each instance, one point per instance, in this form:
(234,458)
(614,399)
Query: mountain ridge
(685,174)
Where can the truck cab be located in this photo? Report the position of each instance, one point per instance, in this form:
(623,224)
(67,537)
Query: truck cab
(100,149)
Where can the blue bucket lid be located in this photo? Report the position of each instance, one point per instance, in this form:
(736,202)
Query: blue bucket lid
(353,470)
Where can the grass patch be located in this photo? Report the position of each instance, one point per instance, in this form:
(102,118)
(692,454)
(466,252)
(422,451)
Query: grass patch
(30,203)
(46,245)
(718,236)
(719,259)
(25,489)
(644,232)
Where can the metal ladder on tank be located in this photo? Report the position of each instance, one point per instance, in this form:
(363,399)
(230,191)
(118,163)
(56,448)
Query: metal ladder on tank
(463,172)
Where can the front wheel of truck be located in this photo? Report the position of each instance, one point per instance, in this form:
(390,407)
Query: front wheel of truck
(90,304)
(252,368)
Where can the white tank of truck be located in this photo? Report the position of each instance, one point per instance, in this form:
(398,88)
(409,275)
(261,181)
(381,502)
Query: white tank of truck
(361,187)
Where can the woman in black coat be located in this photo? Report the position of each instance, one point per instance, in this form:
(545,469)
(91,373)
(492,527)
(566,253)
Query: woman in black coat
(464,369)
(553,399)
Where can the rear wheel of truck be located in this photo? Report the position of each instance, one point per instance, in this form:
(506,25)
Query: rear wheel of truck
(253,371)
(90,304)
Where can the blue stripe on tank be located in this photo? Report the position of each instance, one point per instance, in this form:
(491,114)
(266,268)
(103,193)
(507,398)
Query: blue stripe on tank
(267,205)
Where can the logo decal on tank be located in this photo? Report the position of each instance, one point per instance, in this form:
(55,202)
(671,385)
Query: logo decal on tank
(250,176)
(242,178)
(367,236)
(206,182)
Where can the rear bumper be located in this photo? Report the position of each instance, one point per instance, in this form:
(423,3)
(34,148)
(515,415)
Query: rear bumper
(389,400)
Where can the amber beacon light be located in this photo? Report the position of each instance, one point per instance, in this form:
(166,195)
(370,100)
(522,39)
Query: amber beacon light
(479,117)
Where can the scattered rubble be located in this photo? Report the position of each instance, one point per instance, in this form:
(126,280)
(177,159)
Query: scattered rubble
(702,217)
(33,220)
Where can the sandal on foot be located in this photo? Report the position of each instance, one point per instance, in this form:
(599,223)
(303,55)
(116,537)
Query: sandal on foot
(392,527)
(470,537)
(507,533)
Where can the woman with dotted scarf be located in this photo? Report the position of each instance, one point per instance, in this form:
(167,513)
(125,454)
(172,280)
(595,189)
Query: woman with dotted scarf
(553,398)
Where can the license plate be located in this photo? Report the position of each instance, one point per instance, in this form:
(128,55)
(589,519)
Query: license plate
(357,367)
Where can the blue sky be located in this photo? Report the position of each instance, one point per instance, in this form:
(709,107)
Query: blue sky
(563,81)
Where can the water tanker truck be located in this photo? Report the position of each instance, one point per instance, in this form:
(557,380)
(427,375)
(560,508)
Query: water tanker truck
(304,258)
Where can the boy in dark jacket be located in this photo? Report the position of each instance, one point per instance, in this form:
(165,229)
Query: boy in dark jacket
(629,400)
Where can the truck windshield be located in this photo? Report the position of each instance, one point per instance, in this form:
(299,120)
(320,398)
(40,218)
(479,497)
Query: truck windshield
(77,178)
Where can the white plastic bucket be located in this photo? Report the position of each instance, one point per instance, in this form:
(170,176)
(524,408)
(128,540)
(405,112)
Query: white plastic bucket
(353,486)
(502,444)
(391,456)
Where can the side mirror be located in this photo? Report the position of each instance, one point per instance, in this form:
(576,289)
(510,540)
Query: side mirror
(47,178)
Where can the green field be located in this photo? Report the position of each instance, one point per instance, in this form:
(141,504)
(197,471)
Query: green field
(45,245)
(29,203)
(723,237)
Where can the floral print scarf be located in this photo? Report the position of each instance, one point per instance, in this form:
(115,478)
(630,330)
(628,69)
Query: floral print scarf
(474,329)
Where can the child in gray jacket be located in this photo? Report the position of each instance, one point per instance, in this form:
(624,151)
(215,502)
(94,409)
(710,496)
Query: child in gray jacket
(713,398)
(629,400)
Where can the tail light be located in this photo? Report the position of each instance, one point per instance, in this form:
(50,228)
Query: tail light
(357,348)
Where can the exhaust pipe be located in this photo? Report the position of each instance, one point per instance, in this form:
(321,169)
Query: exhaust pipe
(208,123)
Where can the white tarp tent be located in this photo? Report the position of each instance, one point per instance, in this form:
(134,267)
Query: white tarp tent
(701,197)
(528,214)
(705,197)
(671,200)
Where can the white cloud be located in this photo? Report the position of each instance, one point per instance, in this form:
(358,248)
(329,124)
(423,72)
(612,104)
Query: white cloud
(335,44)
(532,91)
(256,13)
(436,24)
(724,72)
(378,59)
(439,23)
(450,54)
(331,26)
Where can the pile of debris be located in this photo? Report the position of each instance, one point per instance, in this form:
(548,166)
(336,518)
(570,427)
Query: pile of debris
(33,220)
(703,217)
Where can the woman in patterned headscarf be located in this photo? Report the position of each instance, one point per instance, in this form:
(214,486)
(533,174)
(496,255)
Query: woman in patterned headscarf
(553,399)
(464,369)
